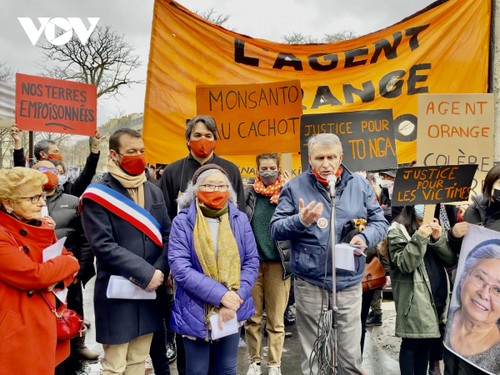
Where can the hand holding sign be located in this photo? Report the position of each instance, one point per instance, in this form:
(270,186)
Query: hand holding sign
(436,229)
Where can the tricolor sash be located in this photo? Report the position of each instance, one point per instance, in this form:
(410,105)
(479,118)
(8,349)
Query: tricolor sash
(125,208)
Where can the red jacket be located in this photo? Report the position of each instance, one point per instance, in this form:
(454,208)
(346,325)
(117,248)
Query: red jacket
(28,337)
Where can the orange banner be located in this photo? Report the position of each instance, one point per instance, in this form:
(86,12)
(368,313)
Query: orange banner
(55,105)
(442,50)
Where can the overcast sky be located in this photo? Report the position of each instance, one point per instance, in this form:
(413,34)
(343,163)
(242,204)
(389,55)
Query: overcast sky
(267,19)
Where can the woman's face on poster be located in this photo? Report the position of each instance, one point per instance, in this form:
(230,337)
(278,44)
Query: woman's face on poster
(481,292)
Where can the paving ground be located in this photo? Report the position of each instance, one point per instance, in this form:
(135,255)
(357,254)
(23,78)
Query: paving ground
(380,357)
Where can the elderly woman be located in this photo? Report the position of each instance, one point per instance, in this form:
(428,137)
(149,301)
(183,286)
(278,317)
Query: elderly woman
(28,333)
(214,263)
(473,329)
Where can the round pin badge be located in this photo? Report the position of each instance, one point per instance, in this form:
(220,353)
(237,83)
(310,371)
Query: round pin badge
(322,223)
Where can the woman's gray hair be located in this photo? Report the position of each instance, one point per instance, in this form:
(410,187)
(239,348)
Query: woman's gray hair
(485,250)
(323,139)
(189,195)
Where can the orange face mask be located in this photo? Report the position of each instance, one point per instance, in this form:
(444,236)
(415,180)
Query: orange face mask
(133,164)
(202,147)
(51,184)
(213,199)
(55,156)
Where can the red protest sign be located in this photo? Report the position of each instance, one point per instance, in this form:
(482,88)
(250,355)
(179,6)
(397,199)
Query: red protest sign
(55,105)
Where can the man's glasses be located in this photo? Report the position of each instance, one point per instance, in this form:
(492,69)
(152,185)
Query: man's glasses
(479,281)
(45,169)
(33,199)
(215,187)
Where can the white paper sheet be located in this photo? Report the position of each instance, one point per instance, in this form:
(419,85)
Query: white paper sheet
(61,294)
(121,288)
(50,252)
(228,328)
(344,256)
(53,250)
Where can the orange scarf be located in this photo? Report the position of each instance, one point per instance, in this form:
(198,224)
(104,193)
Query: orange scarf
(323,180)
(272,190)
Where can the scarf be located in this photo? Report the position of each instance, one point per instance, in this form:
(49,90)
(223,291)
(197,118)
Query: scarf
(133,184)
(323,180)
(272,190)
(226,268)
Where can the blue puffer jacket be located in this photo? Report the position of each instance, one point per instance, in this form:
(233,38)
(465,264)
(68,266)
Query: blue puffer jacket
(354,199)
(193,287)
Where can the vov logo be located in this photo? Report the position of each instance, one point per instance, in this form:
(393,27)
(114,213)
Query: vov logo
(58,30)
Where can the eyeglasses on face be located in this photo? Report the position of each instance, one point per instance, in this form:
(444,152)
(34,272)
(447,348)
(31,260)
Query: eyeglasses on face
(209,187)
(479,281)
(45,169)
(34,199)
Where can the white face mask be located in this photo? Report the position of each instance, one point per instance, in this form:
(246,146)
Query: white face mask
(387,183)
(419,211)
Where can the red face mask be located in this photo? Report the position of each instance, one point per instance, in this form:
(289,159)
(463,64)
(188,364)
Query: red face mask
(202,147)
(213,199)
(51,184)
(55,156)
(133,164)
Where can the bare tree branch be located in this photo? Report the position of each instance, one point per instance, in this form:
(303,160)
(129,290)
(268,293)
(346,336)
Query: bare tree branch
(106,61)
(338,36)
(6,74)
(299,38)
(211,15)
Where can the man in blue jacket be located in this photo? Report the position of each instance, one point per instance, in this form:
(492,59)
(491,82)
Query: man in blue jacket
(303,217)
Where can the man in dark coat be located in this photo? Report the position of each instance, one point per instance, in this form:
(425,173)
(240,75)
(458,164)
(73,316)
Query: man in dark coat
(201,138)
(127,226)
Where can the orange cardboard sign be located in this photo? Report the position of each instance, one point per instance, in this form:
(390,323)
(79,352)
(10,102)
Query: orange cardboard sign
(253,118)
(55,105)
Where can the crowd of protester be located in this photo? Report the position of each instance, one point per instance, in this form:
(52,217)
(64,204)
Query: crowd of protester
(188,260)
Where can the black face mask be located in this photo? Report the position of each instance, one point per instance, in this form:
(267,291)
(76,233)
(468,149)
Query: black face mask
(496,195)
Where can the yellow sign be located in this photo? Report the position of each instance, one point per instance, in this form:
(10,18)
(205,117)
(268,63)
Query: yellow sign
(442,50)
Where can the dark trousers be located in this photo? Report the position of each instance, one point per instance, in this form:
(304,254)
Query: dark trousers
(365,309)
(158,350)
(414,356)
(75,298)
(437,348)
(219,357)
(181,355)
(71,365)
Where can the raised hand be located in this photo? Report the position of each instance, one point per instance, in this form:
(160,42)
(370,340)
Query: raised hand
(311,213)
